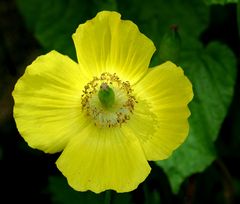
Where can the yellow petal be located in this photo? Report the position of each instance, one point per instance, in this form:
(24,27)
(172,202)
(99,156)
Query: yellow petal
(104,158)
(108,44)
(47,99)
(160,117)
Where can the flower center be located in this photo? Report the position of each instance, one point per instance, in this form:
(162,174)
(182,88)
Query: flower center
(108,101)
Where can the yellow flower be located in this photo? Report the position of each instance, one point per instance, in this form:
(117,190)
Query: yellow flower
(108,113)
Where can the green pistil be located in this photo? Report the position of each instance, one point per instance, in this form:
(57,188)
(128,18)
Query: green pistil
(106,95)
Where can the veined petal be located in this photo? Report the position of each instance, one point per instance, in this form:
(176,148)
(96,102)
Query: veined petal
(47,99)
(162,111)
(108,44)
(99,159)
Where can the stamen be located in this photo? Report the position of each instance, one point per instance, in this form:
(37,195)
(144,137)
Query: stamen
(108,111)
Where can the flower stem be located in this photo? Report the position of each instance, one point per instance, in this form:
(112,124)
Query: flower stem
(107,199)
(190,191)
(227,182)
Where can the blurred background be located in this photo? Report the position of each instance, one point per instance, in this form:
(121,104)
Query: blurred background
(206,44)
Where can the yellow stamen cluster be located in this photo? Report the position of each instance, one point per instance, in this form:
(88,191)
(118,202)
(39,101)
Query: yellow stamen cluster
(122,108)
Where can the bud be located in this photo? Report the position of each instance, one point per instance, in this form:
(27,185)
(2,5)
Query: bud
(170,45)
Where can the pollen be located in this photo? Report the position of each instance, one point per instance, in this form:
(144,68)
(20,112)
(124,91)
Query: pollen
(122,109)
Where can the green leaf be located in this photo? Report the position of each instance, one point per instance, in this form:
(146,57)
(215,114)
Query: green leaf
(54,21)
(212,71)
(222,2)
(154,19)
(62,193)
(110,5)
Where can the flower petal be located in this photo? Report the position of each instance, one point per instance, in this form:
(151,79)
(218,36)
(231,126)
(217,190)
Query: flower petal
(104,158)
(108,44)
(162,111)
(47,99)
